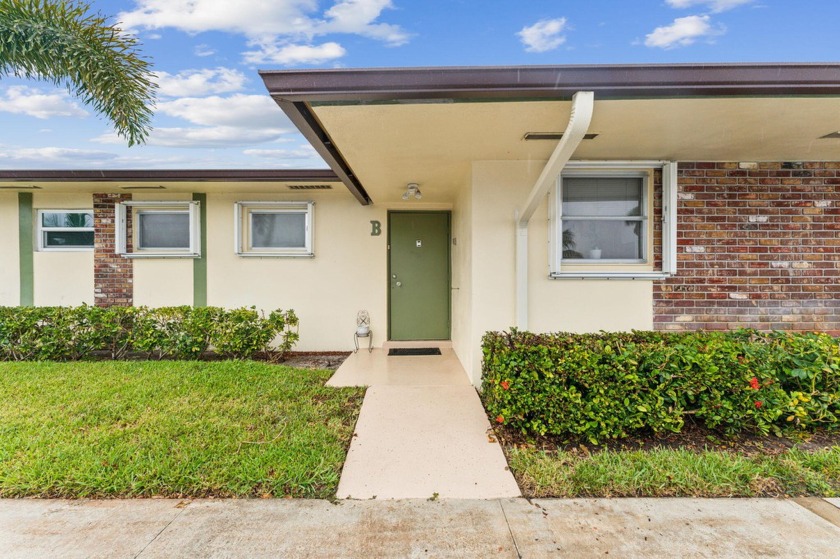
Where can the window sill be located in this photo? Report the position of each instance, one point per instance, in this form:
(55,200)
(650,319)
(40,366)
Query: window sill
(610,276)
(69,249)
(161,255)
(276,254)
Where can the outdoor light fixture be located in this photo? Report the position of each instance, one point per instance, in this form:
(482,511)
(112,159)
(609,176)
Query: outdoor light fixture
(412,190)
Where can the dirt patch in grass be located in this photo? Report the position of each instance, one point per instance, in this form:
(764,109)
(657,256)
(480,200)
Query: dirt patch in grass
(315,360)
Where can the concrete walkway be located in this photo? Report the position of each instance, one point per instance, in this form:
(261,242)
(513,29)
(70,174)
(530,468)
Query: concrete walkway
(626,528)
(422,432)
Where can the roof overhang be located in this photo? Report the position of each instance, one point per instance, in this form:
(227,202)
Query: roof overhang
(174,180)
(381,128)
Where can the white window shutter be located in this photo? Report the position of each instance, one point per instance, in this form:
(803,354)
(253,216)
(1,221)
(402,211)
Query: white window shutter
(237,228)
(669,218)
(195,228)
(120,228)
(555,229)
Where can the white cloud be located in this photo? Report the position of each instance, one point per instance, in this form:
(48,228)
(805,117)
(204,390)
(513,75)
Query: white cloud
(20,99)
(204,50)
(289,55)
(545,35)
(55,155)
(715,6)
(302,152)
(358,17)
(200,82)
(68,158)
(246,111)
(201,137)
(235,120)
(271,26)
(683,31)
(212,136)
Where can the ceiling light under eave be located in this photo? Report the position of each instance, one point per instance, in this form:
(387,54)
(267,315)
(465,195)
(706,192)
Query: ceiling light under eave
(158,187)
(552,136)
(412,190)
(19,187)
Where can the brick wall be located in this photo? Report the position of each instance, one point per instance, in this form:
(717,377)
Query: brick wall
(757,248)
(113,274)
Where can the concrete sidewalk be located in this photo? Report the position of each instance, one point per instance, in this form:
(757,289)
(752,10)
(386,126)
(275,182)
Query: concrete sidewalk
(624,528)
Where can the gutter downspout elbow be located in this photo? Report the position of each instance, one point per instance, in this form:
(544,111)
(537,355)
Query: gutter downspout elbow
(583,104)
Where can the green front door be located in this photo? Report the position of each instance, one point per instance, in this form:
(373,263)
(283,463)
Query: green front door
(418,272)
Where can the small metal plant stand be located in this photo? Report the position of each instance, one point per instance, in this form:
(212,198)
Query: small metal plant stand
(363,330)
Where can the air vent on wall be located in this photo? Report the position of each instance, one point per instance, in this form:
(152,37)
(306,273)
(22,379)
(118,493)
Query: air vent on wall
(310,187)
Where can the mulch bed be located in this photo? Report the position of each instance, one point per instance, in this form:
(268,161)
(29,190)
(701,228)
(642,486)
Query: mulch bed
(315,360)
(693,437)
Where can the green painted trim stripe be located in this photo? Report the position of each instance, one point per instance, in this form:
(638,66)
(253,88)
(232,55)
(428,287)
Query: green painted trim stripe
(200,264)
(25,250)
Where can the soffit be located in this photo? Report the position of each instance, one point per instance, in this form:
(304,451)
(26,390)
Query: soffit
(434,144)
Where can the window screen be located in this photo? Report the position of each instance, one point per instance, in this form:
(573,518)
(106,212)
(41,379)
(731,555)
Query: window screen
(163,229)
(603,218)
(278,229)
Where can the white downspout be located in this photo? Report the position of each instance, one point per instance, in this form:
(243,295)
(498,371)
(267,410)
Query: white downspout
(583,103)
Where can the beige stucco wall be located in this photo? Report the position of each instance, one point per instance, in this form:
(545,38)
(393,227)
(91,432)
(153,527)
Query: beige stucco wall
(498,187)
(163,282)
(348,272)
(9,258)
(62,278)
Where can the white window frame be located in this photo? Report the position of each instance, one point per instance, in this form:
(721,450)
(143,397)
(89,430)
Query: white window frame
(135,208)
(243,222)
(621,269)
(42,231)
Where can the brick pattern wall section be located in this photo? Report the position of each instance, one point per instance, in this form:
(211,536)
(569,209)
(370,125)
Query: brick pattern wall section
(757,248)
(113,275)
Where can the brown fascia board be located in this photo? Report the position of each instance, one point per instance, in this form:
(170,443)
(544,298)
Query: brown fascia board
(176,175)
(551,82)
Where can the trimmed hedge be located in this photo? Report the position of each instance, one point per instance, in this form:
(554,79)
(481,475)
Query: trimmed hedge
(610,385)
(73,333)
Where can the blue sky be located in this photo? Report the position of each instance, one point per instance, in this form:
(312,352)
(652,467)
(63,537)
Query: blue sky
(213,110)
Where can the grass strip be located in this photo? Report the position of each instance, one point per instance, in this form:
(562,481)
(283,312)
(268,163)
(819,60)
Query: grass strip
(167,428)
(675,473)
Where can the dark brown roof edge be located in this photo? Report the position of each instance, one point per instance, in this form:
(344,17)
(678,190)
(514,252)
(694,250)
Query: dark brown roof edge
(552,82)
(174,175)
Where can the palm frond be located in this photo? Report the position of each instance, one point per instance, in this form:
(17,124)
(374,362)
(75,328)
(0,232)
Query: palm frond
(61,42)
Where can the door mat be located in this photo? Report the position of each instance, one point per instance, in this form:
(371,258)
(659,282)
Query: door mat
(414,351)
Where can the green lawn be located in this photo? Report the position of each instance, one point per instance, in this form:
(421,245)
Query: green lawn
(140,429)
(675,473)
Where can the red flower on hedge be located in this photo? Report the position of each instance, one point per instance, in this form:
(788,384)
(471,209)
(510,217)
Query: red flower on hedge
(505,384)
(754,383)
(758,404)
(500,419)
